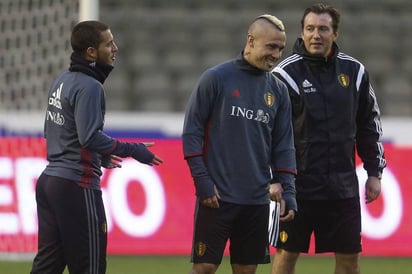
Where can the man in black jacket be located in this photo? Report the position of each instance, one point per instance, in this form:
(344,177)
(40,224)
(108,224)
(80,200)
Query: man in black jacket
(335,113)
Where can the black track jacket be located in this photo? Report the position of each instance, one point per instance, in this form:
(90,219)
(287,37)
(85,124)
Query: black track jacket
(335,113)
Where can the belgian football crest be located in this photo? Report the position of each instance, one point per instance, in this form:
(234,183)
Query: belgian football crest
(269,99)
(200,249)
(283,236)
(343,80)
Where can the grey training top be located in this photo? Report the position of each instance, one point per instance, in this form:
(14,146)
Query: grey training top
(73,129)
(238,120)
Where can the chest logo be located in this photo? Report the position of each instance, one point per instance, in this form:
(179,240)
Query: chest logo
(269,99)
(308,87)
(54,100)
(343,80)
(258,115)
(236,93)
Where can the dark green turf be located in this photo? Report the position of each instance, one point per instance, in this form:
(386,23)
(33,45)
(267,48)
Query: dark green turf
(181,265)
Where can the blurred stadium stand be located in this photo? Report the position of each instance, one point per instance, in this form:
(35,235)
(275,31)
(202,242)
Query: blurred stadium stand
(165,45)
(34,48)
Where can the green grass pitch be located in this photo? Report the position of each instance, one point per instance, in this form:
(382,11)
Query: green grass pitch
(181,265)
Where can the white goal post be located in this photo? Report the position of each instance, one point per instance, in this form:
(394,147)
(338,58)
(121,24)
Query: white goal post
(88,10)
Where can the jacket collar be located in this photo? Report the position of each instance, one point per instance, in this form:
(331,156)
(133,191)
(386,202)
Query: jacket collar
(243,64)
(97,70)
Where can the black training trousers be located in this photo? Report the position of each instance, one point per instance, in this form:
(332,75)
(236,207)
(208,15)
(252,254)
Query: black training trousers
(72,228)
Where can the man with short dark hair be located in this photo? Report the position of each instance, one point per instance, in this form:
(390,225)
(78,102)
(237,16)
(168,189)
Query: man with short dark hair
(335,112)
(71,216)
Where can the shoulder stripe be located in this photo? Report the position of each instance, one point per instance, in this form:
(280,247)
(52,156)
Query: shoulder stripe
(279,69)
(361,72)
(342,55)
(291,59)
(287,78)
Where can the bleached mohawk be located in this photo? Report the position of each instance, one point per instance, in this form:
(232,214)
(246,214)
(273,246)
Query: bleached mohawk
(272,19)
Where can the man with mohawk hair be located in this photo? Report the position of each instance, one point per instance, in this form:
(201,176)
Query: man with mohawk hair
(238,143)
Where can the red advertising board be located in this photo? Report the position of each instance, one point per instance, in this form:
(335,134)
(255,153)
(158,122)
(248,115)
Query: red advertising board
(150,209)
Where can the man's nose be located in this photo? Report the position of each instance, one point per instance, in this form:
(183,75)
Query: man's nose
(276,54)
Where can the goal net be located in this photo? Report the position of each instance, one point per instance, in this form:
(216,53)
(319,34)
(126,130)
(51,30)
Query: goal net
(34,48)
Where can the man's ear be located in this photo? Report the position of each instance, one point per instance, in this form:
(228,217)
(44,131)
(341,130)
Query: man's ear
(336,36)
(250,40)
(91,54)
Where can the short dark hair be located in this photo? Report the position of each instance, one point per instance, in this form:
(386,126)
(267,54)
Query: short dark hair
(322,8)
(87,34)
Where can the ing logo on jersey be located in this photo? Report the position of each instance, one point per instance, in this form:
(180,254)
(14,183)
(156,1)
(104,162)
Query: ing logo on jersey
(343,80)
(250,114)
(269,99)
